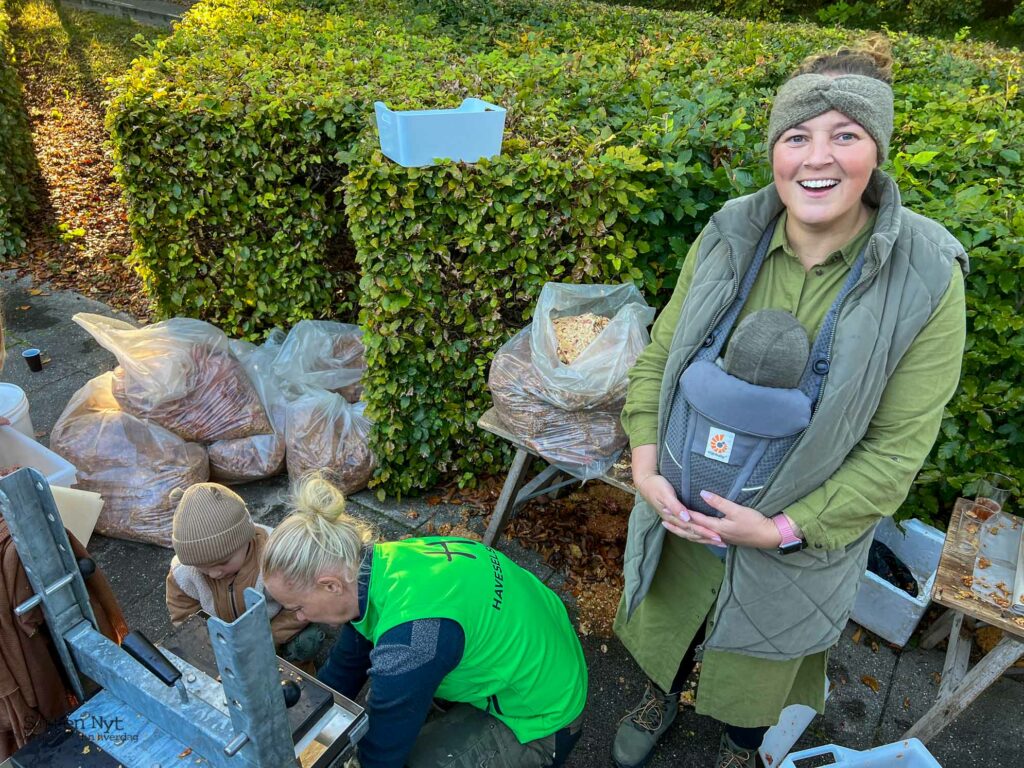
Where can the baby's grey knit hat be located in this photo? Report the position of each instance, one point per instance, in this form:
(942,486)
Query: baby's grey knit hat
(864,99)
(768,348)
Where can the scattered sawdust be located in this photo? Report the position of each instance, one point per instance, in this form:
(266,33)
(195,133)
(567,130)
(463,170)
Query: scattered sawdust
(988,638)
(584,536)
(574,334)
(597,605)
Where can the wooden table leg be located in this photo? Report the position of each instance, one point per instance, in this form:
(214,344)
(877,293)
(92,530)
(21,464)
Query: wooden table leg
(958,656)
(938,631)
(985,672)
(506,501)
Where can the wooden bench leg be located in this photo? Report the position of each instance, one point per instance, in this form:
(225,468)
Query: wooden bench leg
(985,672)
(551,481)
(958,656)
(938,631)
(505,507)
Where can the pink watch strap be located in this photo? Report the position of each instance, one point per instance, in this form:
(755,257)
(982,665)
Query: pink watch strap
(785,529)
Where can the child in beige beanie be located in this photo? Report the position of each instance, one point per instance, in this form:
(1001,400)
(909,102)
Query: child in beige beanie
(217,552)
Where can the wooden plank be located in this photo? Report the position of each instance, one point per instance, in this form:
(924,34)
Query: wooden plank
(955,568)
(958,656)
(938,631)
(997,661)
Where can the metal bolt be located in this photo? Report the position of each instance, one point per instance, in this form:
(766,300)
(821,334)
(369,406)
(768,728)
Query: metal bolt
(190,677)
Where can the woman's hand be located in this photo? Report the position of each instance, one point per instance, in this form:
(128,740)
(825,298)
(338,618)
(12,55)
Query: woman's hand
(675,517)
(740,526)
(659,493)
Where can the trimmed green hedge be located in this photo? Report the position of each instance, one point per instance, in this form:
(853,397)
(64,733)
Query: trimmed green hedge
(16,158)
(239,138)
(931,16)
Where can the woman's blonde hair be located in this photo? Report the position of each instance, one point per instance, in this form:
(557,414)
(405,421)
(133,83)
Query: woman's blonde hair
(871,58)
(317,537)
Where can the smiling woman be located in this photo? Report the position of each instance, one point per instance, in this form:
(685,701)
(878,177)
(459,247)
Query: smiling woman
(879,291)
(821,168)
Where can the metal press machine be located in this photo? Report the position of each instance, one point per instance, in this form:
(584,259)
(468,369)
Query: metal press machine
(215,695)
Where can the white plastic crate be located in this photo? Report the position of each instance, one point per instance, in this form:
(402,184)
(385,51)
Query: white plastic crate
(418,137)
(18,450)
(909,753)
(886,610)
(781,737)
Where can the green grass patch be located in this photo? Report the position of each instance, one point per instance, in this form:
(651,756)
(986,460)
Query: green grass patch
(77,51)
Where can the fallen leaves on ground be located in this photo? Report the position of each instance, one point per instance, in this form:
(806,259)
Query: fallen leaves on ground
(871,683)
(583,535)
(79,238)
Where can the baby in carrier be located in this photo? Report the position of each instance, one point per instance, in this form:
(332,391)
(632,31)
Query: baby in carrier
(733,418)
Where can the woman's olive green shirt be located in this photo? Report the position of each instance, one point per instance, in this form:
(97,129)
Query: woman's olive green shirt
(871,483)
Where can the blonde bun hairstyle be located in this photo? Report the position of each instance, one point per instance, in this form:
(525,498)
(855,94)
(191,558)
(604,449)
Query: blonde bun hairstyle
(872,58)
(317,537)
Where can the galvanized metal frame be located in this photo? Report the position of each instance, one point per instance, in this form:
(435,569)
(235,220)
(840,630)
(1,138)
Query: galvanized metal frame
(49,563)
(252,687)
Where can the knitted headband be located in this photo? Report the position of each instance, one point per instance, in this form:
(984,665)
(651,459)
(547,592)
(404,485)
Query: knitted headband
(864,99)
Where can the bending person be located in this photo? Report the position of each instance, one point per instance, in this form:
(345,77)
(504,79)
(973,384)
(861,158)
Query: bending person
(427,618)
(804,460)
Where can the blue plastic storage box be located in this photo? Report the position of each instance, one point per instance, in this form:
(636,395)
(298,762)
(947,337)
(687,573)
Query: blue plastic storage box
(419,137)
(908,753)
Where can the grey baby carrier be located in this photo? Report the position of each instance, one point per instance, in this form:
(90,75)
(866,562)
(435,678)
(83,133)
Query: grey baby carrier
(728,436)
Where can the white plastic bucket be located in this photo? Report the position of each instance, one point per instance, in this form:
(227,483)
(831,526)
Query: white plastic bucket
(14,407)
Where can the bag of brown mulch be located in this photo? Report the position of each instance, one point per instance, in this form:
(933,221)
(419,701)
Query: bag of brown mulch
(560,383)
(325,432)
(258,456)
(323,354)
(181,374)
(133,463)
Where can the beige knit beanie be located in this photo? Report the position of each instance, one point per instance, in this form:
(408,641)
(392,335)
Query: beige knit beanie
(210,524)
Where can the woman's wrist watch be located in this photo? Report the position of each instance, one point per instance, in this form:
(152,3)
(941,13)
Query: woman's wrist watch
(790,541)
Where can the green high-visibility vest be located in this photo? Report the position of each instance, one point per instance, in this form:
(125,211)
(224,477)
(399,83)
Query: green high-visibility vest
(522,661)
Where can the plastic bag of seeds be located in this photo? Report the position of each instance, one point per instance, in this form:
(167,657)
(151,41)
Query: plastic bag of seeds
(258,456)
(560,383)
(133,463)
(327,432)
(180,373)
(323,354)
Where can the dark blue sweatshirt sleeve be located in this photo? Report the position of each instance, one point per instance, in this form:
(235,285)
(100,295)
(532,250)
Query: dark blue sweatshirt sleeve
(348,663)
(406,667)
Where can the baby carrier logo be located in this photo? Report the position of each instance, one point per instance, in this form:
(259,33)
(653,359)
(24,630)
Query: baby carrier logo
(719,445)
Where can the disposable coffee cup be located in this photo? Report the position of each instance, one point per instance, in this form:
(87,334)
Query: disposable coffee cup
(34,359)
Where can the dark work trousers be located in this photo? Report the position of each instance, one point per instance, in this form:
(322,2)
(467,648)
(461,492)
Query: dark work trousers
(467,737)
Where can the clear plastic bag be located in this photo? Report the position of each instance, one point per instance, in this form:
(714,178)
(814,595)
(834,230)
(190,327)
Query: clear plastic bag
(258,456)
(569,414)
(598,376)
(133,463)
(327,432)
(323,354)
(181,374)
